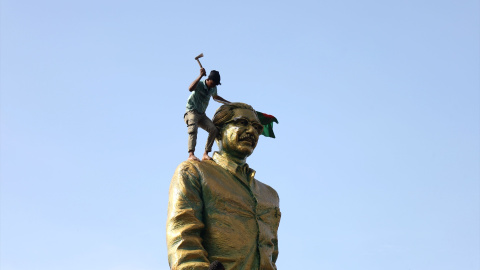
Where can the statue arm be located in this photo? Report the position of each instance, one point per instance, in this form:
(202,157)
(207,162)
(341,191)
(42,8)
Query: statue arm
(275,251)
(184,221)
(278,216)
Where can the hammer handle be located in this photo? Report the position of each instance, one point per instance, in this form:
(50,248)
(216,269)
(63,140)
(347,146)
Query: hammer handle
(199,63)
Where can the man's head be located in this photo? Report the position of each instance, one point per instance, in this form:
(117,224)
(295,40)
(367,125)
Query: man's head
(213,79)
(239,129)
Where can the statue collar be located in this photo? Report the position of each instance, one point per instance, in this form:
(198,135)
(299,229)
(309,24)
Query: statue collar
(233,167)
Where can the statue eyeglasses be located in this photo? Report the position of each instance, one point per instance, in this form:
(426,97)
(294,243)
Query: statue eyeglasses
(244,123)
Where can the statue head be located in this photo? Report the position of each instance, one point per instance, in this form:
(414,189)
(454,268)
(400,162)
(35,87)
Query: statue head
(239,129)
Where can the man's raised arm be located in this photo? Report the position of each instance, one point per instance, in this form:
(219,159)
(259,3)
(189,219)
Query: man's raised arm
(195,82)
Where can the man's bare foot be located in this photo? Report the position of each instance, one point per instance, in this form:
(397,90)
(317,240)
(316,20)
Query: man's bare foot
(191,156)
(206,156)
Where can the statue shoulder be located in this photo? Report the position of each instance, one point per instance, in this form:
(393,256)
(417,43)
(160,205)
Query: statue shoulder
(268,190)
(191,168)
(186,165)
(187,168)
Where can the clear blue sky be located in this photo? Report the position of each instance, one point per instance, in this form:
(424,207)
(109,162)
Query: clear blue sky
(377,155)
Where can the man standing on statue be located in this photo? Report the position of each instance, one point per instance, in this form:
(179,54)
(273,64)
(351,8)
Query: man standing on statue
(217,210)
(196,106)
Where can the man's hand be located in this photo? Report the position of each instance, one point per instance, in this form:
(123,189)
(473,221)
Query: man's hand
(203,72)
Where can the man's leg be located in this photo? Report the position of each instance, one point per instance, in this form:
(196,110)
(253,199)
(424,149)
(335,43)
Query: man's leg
(191,119)
(212,130)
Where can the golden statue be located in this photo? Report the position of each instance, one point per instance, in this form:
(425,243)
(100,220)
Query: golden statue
(217,210)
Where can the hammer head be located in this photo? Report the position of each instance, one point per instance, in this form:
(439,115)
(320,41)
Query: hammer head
(199,56)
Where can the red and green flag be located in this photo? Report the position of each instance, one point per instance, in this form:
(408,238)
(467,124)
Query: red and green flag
(267,121)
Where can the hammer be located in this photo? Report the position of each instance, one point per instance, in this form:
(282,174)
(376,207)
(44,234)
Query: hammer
(199,56)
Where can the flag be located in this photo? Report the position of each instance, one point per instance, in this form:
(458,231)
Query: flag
(267,121)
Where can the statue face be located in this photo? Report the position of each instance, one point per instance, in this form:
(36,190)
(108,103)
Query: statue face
(241,133)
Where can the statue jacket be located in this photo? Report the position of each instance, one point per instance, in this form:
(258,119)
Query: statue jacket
(219,211)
